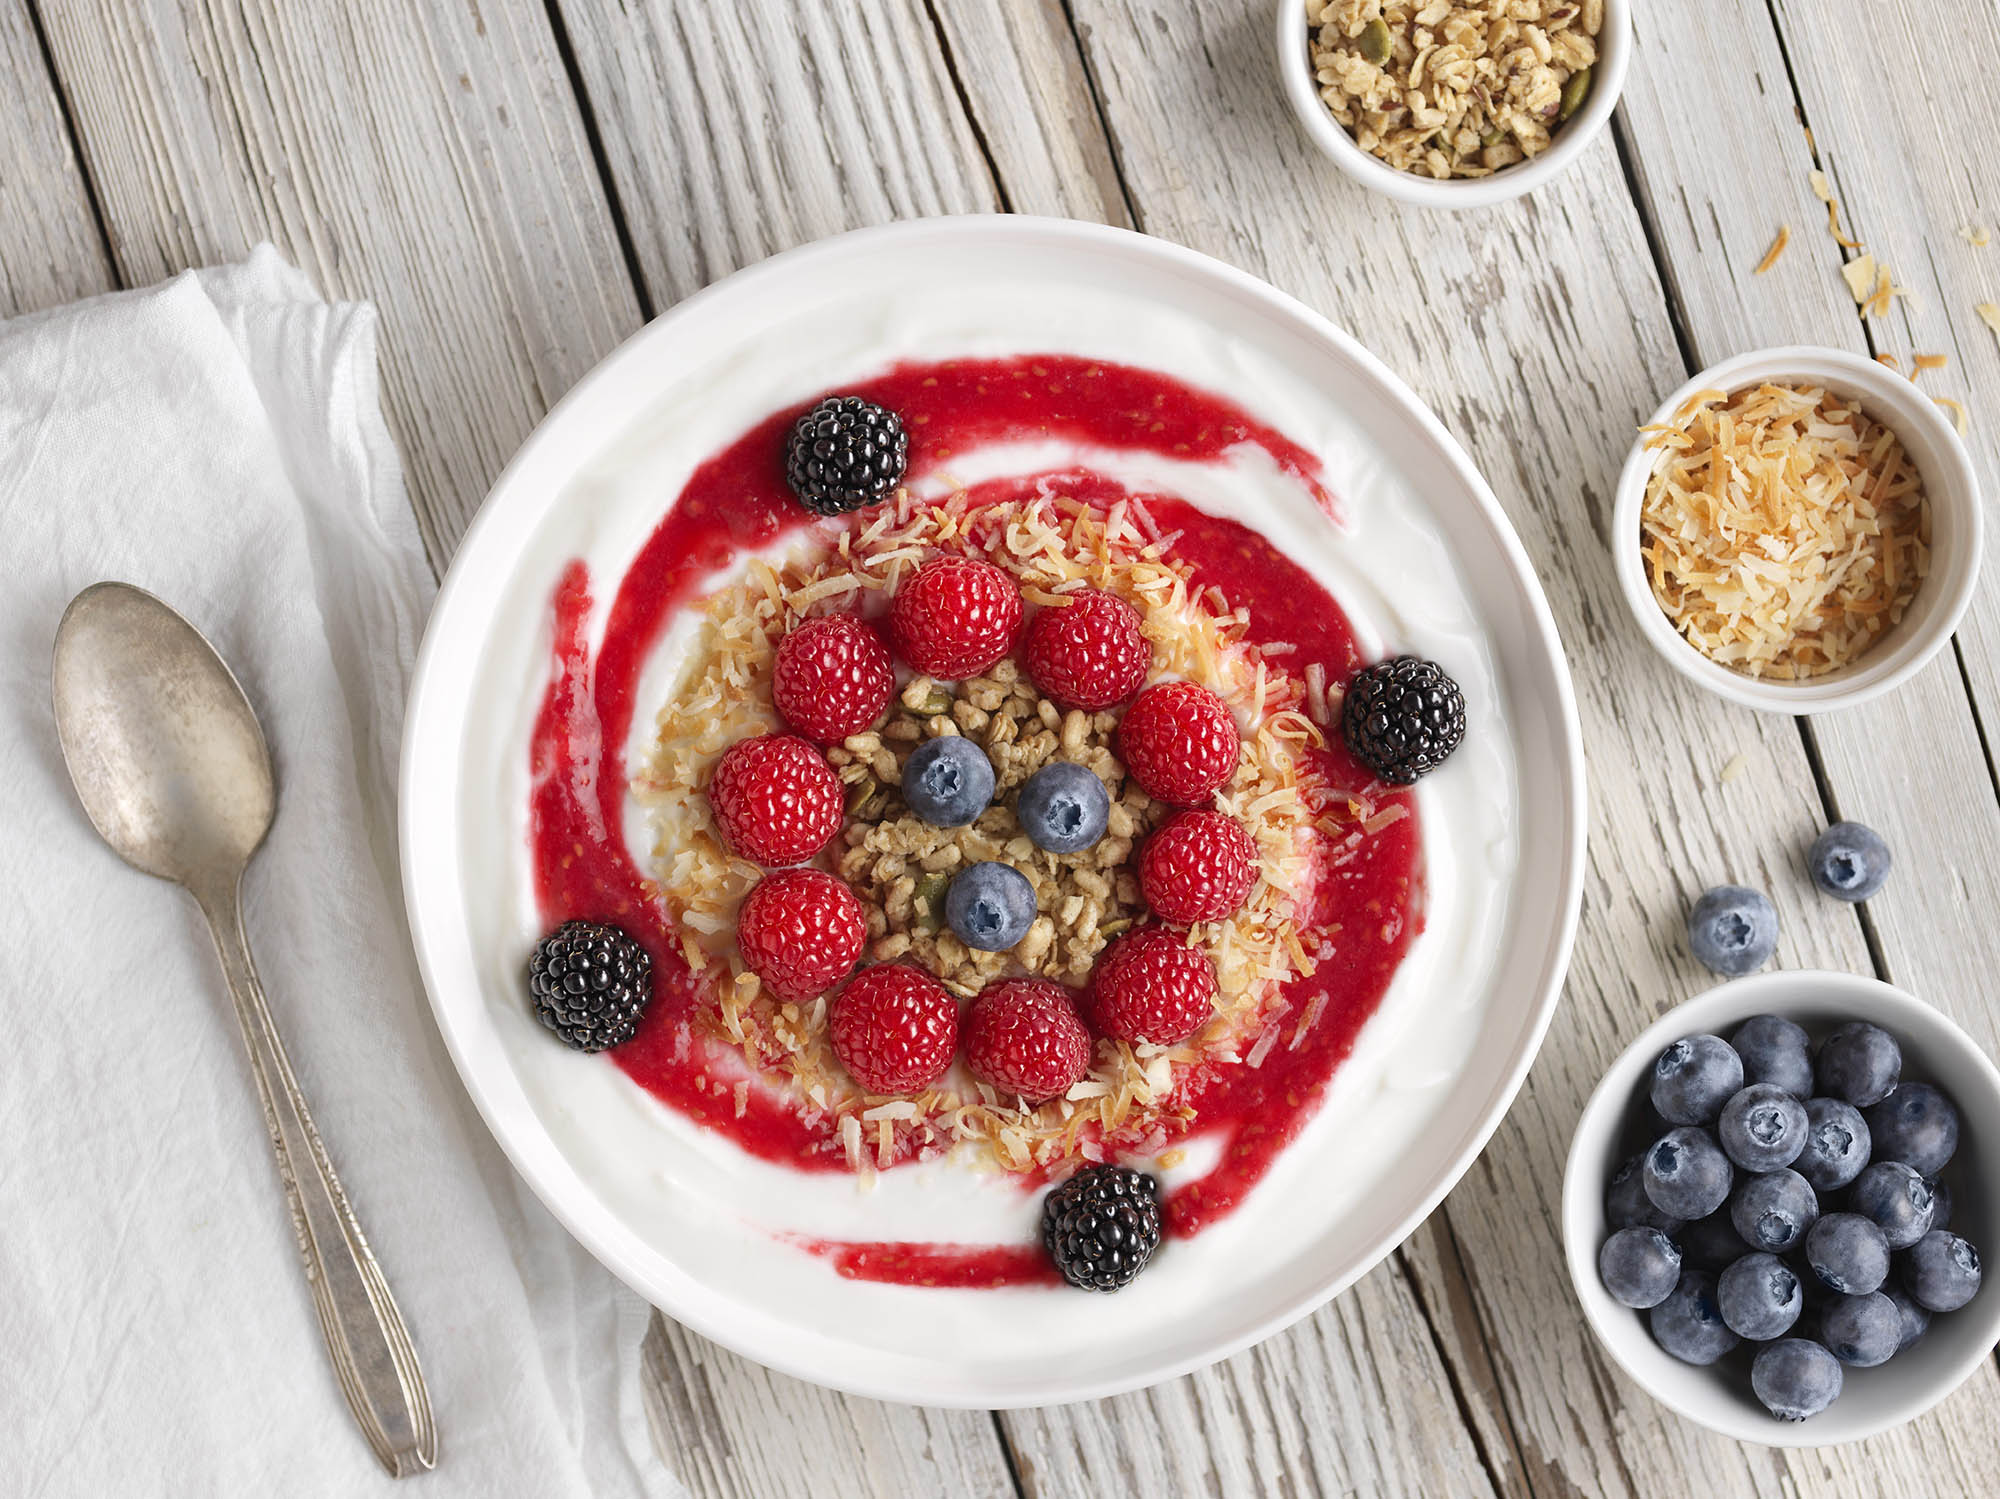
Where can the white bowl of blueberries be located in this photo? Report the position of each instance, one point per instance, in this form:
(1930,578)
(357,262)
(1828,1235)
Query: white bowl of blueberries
(1774,1208)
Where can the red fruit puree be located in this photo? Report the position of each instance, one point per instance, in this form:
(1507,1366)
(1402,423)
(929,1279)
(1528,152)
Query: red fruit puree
(1368,894)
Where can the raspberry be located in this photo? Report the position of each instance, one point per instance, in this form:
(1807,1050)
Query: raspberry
(955,617)
(800,931)
(1198,867)
(1179,742)
(1151,986)
(1088,653)
(832,677)
(894,1028)
(775,800)
(1023,1036)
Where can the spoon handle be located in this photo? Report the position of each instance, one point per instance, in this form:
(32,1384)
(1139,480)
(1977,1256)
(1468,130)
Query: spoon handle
(372,1355)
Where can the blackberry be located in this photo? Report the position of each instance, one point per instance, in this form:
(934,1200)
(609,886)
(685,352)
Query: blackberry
(1403,717)
(1102,1226)
(845,453)
(591,983)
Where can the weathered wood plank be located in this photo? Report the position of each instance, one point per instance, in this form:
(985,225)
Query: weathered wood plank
(1912,765)
(430,159)
(51,250)
(735,131)
(734,1430)
(1570,345)
(1351,1401)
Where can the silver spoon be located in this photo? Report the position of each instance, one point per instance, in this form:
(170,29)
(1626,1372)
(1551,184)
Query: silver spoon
(171,765)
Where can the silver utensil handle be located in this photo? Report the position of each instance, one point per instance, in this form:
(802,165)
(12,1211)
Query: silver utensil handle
(372,1355)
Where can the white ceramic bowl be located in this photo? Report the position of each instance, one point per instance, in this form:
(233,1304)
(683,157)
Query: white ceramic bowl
(1296,78)
(1935,1050)
(701,1255)
(1957,531)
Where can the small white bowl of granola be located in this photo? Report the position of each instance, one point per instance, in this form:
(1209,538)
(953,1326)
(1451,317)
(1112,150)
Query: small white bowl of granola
(1798,529)
(1435,102)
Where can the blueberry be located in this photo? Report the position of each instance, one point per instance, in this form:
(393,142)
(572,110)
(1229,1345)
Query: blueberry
(1694,1077)
(1795,1379)
(1686,1173)
(1639,1266)
(1896,1200)
(1775,1051)
(1941,1271)
(1848,1253)
(1862,1330)
(1063,807)
(1913,1320)
(1849,861)
(1733,931)
(1712,1242)
(1759,1297)
(990,906)
(1763,1128)
(1626,1204)
(1837,1144)
(1859,1063)
(1916,1125)
(1688,1324)
(1773,1211)
(948,781)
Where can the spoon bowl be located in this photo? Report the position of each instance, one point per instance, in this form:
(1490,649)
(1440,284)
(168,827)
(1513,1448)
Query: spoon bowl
(167,756)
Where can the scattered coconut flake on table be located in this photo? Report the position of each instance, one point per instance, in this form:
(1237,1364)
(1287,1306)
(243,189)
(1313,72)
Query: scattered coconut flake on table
(1738,763)
(1824,193)
(1784,531)
(1975,235)
(1922,362)
(1777,248)
(1957,410)
(1989,314)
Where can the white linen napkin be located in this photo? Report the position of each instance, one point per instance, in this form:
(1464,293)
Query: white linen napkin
(216,440)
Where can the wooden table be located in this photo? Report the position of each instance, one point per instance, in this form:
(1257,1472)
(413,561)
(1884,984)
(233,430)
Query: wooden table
(518,186)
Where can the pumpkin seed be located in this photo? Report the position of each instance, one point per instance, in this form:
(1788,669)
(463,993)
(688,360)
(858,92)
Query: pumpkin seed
(938,702)
(1574,93)
(862,797)
(1374,41)
(1113,928)
(930,901)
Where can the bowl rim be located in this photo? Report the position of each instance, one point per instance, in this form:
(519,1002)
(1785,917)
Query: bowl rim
(1296,79)
(428,856)
(1961,492)
(1716,1010)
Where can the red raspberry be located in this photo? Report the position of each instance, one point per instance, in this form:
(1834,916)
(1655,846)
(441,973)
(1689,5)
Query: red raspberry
(1198,867)
(800,931)
(1088,653)
(775,800)
(1179,742)
(955,617)
(894,1028)
(1151,986)
(832,677)
(1024,1037)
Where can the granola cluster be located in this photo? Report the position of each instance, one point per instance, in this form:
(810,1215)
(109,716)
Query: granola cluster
(900,865)
(1454,88)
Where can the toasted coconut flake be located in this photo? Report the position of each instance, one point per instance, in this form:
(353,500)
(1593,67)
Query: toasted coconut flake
(1785,533)
(1975,235)
(1777,248)
(1957,410)
(1734,768)
(1860,276)
(1924,362)
(1989,314)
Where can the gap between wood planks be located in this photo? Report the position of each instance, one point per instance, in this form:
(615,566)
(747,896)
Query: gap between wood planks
(33,9)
